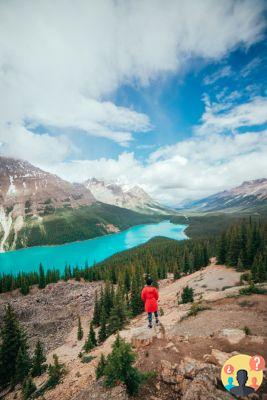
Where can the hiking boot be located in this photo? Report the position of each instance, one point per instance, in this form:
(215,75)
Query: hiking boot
(150,326)
(157,321)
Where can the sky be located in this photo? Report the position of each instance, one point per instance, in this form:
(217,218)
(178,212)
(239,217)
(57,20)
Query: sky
(169,95)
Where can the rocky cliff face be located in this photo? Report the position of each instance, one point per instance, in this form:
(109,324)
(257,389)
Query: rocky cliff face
(134,198)
(27,192)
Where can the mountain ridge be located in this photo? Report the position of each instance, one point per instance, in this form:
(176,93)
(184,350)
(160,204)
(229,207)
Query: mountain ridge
(249,196)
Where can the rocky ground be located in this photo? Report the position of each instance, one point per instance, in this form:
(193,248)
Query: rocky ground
(50,314)
(185,352)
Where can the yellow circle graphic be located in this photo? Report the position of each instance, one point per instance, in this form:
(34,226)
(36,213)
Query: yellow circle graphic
(242,374)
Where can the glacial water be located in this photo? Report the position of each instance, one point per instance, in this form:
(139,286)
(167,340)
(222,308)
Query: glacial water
(92,250)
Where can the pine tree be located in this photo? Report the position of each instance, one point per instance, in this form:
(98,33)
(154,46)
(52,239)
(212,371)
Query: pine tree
(221,251)
(187,295)
(55,373)
(91,339)
(119,367)
(102,334)
(12,339)
(97,310)
(80,329)
(100,369)
(186,263)
(118,314)
(42,282)
(136,303)
(39,359)
(24,288)
(28,388)
(240,265)
(23,363)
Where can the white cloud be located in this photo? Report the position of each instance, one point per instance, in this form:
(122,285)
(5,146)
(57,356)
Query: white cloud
(59,60)
(224,116)
(193,168)
(221,73)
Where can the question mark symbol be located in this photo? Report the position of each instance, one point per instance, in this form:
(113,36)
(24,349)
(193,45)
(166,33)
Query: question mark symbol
(257,362)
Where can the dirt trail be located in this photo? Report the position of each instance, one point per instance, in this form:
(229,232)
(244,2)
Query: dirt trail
(209,286)
(207,283)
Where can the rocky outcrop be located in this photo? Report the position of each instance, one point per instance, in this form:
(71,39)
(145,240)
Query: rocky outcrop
(97,391)
(233,336)
(193,380)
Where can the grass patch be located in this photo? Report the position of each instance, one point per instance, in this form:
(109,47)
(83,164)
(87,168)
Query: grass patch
(195,309)
(87,359)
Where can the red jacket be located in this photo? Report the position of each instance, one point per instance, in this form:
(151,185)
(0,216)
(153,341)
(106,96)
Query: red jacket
(150,296)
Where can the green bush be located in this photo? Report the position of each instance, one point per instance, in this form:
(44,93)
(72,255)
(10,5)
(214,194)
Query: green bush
(187,295)
(252,289)
(119,367)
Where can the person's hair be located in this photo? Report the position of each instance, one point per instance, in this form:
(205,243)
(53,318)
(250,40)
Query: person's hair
(149,281)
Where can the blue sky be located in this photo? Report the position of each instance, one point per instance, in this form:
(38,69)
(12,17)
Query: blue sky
(168,95)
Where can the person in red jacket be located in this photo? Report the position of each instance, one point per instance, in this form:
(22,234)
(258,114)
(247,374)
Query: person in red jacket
(150,296)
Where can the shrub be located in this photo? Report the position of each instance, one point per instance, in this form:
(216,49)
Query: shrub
(252,289)
(119,367)
(247,330)
(187,295)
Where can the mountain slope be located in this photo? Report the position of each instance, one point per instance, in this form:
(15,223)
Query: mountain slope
(250,196)
(134,198)
(38,208)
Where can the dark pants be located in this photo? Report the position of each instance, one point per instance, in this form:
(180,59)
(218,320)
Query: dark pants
(150,316)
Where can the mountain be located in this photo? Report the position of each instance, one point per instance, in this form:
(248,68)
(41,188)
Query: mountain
(250,196)
(134,198)
(39,208)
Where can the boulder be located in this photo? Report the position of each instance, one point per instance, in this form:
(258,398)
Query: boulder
(97,391)
(218,357)
(142,337)
(233,336)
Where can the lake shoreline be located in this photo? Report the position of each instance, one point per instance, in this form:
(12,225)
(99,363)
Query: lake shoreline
(88,251)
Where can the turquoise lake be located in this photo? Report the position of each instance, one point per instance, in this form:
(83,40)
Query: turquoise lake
(92,250)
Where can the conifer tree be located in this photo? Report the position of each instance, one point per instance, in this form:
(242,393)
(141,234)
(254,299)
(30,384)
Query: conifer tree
(240,265)
(221,252)
(102,334)
(39,359)
(24,288)
(12,339)
(80,329)
(55,373)
(187,295)
(97,310)
(118,314)
(119,367)
(91,341)
(23,363)
(28,388)
(136,302)
(100,369)
(42,282)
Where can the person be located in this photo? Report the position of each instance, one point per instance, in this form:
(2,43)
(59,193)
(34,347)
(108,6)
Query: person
(242,389)
(150,297)
(230,384)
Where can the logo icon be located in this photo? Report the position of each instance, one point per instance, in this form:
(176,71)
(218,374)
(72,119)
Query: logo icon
(243,374)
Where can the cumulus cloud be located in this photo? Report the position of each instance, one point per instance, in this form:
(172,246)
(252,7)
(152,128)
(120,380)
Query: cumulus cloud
(60,60)
(190,169)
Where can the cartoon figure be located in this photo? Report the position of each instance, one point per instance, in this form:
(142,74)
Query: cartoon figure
(242,389)
(254,383)
(230,384)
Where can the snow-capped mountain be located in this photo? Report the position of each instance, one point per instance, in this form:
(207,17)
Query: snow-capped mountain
(134,198)
(249,195)
(27,192)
